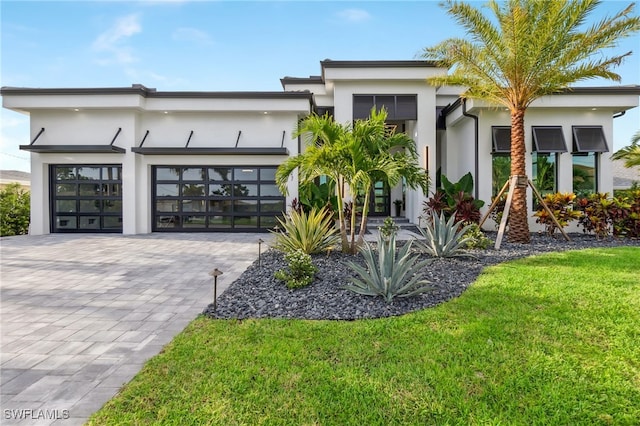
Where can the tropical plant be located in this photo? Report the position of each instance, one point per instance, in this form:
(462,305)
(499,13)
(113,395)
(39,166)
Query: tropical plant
(630,154)
(596,214)
(604,216)
(353,156)
(629,223)
(14,210)
(561,205)
(389,274)
(311,232)
(455,199)
(317,196)
(529,49)
(442,237)
(301,270)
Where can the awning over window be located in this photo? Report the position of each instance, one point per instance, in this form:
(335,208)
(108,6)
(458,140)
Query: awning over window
(501,138)
(589,139)
(187,150)
(547,139)
(74,149)
(210,151)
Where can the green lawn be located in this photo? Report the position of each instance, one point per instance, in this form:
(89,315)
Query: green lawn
(548,340)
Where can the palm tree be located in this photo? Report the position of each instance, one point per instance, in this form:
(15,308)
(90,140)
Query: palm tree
(530,49)
(325,155)
(630,154)
(354,157)
(381,154)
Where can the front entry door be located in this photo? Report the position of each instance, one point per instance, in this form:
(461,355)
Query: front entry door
(380,201)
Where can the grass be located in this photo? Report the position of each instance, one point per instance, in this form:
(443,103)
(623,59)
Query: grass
(552,339)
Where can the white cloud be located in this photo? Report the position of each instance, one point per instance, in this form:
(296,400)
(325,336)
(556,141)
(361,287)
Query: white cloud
(354,15)
(113,41)
(192,35)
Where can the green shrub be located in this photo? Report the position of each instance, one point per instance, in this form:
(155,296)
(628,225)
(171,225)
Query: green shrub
(14,210)
(443,238)
(387,274)
(311,232)
(476,238)
(301,271)
(561,205)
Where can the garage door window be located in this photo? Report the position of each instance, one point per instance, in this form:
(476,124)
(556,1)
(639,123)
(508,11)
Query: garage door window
(86,198)
(188,198)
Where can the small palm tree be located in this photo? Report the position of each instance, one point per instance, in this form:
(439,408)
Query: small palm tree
(354,157)
(630,154)
(530,49)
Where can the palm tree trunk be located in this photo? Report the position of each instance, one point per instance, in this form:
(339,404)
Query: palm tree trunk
(343,228)
(353,222)
(518,221)
(365,213)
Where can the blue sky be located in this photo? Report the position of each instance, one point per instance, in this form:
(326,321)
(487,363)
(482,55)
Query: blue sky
(218,46)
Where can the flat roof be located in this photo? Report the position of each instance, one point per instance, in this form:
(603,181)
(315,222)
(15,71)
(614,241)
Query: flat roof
(138,89)
(329,63)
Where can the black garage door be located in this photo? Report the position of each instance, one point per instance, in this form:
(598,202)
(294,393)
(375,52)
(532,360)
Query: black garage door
(86,198)
(205,198)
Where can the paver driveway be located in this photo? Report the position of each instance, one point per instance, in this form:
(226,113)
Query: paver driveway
(80,314)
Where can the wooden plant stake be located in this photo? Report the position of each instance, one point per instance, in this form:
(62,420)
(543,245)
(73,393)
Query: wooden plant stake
(512,183)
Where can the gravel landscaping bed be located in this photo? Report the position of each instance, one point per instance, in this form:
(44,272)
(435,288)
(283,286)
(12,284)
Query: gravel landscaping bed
(257,294)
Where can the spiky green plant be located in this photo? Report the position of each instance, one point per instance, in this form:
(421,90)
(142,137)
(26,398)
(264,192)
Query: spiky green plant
(443,238)
(311,232)
(389,274)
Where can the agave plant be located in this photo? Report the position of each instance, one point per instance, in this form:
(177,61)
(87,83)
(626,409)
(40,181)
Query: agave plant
(443,238)
(389,274)
(311,232)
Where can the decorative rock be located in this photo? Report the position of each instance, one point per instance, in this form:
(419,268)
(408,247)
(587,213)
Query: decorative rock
(257,294)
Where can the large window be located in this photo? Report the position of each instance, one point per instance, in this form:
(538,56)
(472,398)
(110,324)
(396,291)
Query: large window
(86,198)
(585,173)
(501,158)
(588,143)
(548,141)
(200,198)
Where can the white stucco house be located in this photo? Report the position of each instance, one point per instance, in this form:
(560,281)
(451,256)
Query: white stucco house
(136,160)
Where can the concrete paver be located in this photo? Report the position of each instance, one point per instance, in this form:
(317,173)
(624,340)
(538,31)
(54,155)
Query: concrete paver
(81,314)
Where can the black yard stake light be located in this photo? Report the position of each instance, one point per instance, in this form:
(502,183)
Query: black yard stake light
(215,274)
(260,241)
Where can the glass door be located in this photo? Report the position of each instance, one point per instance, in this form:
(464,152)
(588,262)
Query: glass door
(380,201)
